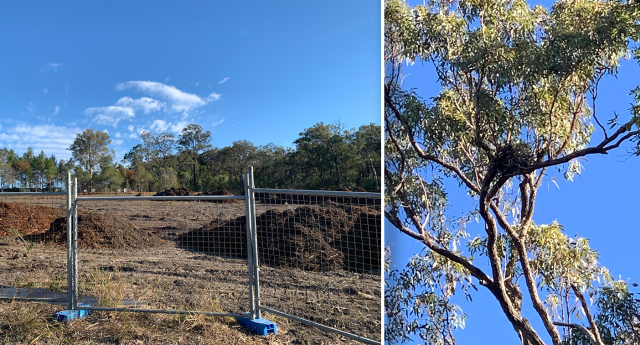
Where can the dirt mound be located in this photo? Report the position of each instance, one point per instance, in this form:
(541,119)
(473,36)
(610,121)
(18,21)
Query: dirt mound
(309,238)
(301,199)
(27,219)
(173,191)
(224,191)
(104,231)
(220,237)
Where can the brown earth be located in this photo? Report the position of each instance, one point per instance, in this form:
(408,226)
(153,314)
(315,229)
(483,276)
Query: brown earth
(173,191)
(224,191)
(282,198)
(171,276)
(27,219)
(308,238)
(102,231)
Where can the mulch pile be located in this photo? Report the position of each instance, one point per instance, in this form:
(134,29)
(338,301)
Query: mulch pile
(224,191)
(47,224)
(297,199)
(173,191)
(310,238)
(104,231)
(27,219)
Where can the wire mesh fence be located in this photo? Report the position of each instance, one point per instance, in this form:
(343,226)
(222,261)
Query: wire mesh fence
(163,253)
(33,262)
(304,256)
(320,260)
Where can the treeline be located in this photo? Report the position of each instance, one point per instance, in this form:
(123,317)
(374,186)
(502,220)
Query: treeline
(323,157)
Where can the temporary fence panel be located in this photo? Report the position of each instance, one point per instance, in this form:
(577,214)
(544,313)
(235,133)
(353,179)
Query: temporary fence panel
(33,259)
(164,254)
(309,256)
(319,257)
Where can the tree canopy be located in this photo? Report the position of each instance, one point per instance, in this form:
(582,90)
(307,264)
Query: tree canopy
(345,158)
(518,88)
(89,149)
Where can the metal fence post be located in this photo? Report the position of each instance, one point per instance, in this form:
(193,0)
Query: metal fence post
(69,250)
(254,228)
(249,215)
(75,243)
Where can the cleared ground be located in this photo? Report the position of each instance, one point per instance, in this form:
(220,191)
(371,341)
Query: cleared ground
(168,275)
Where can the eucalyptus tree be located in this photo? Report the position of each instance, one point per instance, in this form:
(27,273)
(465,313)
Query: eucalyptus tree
(90,149)
(518,88)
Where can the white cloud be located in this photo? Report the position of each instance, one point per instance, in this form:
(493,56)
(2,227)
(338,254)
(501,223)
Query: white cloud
(110,115)
(53,139)
(117,135)
(217,123)
(163,126)
(179,126)
(130,128)
(145,104)
(213,97)
(116,142)
(176,100)
(51,67)
(223,80)
(133,136)
(45,90)
(159,125)
(31,107)
(56,110)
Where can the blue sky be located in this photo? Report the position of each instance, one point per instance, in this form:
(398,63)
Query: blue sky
(262,70)
(600,205)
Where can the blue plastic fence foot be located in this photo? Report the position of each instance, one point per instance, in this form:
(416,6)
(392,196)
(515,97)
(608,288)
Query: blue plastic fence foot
(68,315)
(258,326)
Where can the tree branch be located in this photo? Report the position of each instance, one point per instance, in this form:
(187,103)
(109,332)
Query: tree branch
(579,327)
(587,312)
(430,242)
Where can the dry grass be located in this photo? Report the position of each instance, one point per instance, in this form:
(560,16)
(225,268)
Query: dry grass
(168,277)
(32,323)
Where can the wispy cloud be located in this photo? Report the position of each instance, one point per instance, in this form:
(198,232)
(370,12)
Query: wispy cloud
(179,126)
(56,110)
(217,123)
(130,128)
(116,142)
(159,125)
(117,135)
(45,90)
(51,67)
(214,97)
(162,126)
(56,139)
(110,115)
(31,107)
(145,104)
(175,99)
(223,80)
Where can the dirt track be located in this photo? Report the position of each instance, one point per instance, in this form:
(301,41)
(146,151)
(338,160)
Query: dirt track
(167,276)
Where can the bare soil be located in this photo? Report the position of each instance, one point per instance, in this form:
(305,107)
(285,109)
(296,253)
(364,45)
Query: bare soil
(103,231)
(308,238)
(27,219)
(168,274)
